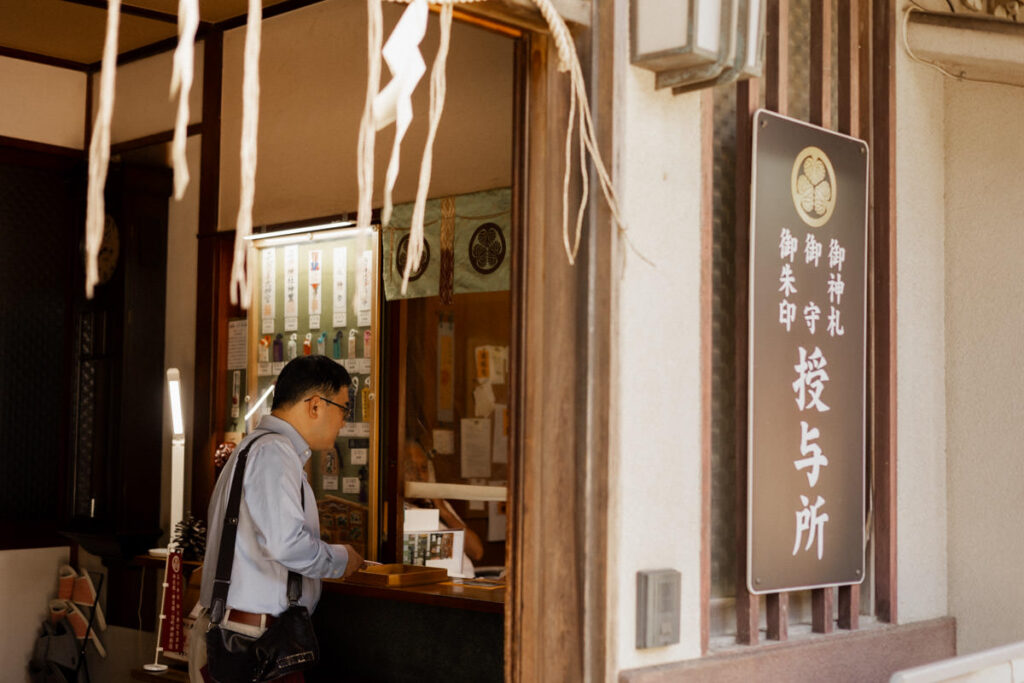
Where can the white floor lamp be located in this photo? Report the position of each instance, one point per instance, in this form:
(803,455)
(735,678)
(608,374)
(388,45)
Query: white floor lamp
(177,448)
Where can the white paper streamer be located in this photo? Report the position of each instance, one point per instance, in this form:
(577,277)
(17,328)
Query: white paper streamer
(579,119)
(99,150)
(367,132)
(438,90)
(241,274)
(181,85)
(394,102)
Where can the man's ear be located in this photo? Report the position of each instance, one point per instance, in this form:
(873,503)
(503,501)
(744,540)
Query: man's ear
(312,407)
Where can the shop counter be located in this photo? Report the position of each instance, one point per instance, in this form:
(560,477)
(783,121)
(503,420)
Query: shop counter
(433,632)
(467,595)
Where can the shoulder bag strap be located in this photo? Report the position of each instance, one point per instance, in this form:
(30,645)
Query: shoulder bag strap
(294,579)
(226,552)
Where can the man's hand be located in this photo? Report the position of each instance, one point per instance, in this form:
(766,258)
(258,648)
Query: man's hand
(355,561)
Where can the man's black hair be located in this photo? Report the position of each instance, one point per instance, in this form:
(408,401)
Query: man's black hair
(306,375)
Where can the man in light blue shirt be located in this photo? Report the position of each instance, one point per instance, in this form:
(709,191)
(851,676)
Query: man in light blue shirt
(278,525)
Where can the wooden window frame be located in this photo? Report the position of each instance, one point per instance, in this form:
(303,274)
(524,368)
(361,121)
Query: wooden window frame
(555,613)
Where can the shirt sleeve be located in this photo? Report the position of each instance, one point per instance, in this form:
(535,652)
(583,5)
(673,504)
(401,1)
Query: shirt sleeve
(271,496)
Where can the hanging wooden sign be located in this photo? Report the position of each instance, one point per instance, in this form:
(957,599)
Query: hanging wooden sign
(807,381)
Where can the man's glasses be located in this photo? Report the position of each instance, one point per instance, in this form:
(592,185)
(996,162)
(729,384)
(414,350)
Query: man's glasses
(344,409)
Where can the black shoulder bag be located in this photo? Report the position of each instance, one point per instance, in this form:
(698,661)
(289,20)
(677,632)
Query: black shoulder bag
(288,645)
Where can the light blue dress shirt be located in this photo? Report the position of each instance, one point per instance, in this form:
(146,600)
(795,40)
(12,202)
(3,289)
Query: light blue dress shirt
(275,534)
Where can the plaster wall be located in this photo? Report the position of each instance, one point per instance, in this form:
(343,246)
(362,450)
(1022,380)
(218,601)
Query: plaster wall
(29,582)
(42,103)
(30,575)
(142,108)
(654,516)
(921,530)
(312,91)
(985,374)
(180,320)
(142,102)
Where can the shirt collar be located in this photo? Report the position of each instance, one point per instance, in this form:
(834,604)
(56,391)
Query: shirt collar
(282,427)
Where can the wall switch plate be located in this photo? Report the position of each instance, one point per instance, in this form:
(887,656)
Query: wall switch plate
(657,607)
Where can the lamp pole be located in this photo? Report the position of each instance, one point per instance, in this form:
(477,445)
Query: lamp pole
(177,448)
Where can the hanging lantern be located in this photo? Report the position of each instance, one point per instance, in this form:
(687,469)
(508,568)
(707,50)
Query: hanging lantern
(697,43)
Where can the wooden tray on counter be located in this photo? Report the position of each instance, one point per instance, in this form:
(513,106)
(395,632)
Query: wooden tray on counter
(398,575)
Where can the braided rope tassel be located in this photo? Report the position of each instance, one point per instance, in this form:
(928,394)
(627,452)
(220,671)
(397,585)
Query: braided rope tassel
(99,151)
(569,61)
(446,277)
(579,119)
(241,274)
(181,85)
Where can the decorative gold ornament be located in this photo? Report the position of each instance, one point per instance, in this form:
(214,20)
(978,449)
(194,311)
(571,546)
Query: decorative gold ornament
(813,186)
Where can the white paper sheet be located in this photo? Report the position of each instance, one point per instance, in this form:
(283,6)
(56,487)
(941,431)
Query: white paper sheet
(499,364)
(476,447)
(350,484)
(355,429)
(497,521)
(422,519)
(268,290)
(339,267)
(314,282)
(444,441)
(491,363)
(364,290)
(291,282)
(483,399)
(236,344)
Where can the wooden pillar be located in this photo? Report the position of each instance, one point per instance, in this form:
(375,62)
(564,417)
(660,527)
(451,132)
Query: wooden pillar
(851,47)
(821,63)
(707,239)
(204,405)
(776,99)
(882,322)
(776,58)
(747,615)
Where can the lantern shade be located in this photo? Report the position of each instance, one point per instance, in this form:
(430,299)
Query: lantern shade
(753,68)
(730,42)
(742,33)
(674,34)
(675,40)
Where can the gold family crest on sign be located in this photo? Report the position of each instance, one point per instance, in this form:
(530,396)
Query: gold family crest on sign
(813,186)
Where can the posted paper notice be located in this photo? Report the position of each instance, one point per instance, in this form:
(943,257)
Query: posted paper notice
(476,448)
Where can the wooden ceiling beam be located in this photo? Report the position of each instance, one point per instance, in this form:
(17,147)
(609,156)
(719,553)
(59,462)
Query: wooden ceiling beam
(28,56)
(131,10)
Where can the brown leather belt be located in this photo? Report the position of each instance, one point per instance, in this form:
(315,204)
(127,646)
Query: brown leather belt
(249,618)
